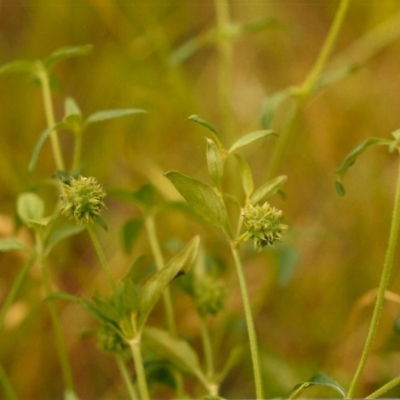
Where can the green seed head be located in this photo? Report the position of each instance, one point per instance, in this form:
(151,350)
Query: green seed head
(210,296)
(263,224)
(82,200)
(109,340)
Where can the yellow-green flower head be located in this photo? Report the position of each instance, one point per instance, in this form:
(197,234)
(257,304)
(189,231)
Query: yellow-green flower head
(263,224)
(210,296)
(82,200)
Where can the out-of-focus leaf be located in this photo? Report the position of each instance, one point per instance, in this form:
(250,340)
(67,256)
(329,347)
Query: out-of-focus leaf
(234,358)
(267,190)
(396,326)
(11,243)
(126,298)
(351,158)
(202,198)
(215,162)
(66,52)
(174,349)
(73,116)
(111,114)
(100,221)
(271,104)
(319,379)
(156,284)
(18,66)
(30,207)
(130,232)
(201,121)
(247,176)
(336,75)
(60,234)
(250,138)
(288,261)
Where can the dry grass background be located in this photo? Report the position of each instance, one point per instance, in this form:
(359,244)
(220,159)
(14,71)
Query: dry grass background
(303,326)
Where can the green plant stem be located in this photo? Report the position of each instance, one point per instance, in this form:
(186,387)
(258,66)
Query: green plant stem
(385,388)
(140,373)
(207,348)
(167,298)
(249,322)
(8,389)
(49,111)
(225,50)
(15,289)
(101,256)
(60,340)
(77,151)
(387,266)
(125,375)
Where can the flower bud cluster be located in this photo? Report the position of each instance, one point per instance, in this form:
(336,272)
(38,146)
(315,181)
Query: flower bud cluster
(82,200)
(263,224)
(210,296)
(110,341)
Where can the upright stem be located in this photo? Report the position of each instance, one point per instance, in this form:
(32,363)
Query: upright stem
(225,50)
(387,266)
(207,348)
(101,256)
(7,387)
(138,360)
(249,322)
(48,108)
(125,375)
(60,340)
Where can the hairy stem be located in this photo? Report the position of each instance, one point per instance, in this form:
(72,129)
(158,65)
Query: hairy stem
(387,266)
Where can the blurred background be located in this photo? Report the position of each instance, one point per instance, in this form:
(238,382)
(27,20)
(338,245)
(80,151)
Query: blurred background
(160,55)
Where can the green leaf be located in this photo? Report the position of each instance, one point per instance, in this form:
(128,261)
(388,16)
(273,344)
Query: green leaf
(66,52)
(126,298)
(234,358)
(267,190)
(100,221)
(250,138)
(30,207)
(246,175)
(130,232)
(71,107)
(215,162)
(319,379)
(336,75)
(202,198)
(18,66)
(174,349)
(42,138)
(60,234)
(11,243)
(156,284)
(288,261)
(351,158)
(73,116)
(111,114)
(271,104)
(201,121)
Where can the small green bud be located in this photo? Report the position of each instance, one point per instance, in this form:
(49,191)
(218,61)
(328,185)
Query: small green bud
(263,224)
(210,295)
(82,199)
(110,340)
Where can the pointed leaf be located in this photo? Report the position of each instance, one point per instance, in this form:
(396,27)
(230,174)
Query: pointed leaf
(30,207)
(71,107)
(351,158)
(202,198)
(271,104)
(130,232)
(250,138)
(18,66)
(66,52)
(267,190)
(111,114)
(247,176)
(156,284)
(11,243)
(319,379)
(174,349)
(126,297)
(60,234)
(336,75)
(215,162)
(201,121)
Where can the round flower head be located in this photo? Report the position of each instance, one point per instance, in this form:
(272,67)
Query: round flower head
(82,200)
(210,296)
(263,224)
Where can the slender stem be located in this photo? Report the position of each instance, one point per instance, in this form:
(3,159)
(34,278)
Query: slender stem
(327,47)
(125,375)
(249,321)
(225,50)
(77,151)
(207,348)
(8,389)
(14,290)
(385,388)
(49,111)
(387,266)
(140,373)
(101,256)
(60,340)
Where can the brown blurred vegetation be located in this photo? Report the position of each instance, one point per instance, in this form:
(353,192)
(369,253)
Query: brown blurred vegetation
(303,326)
